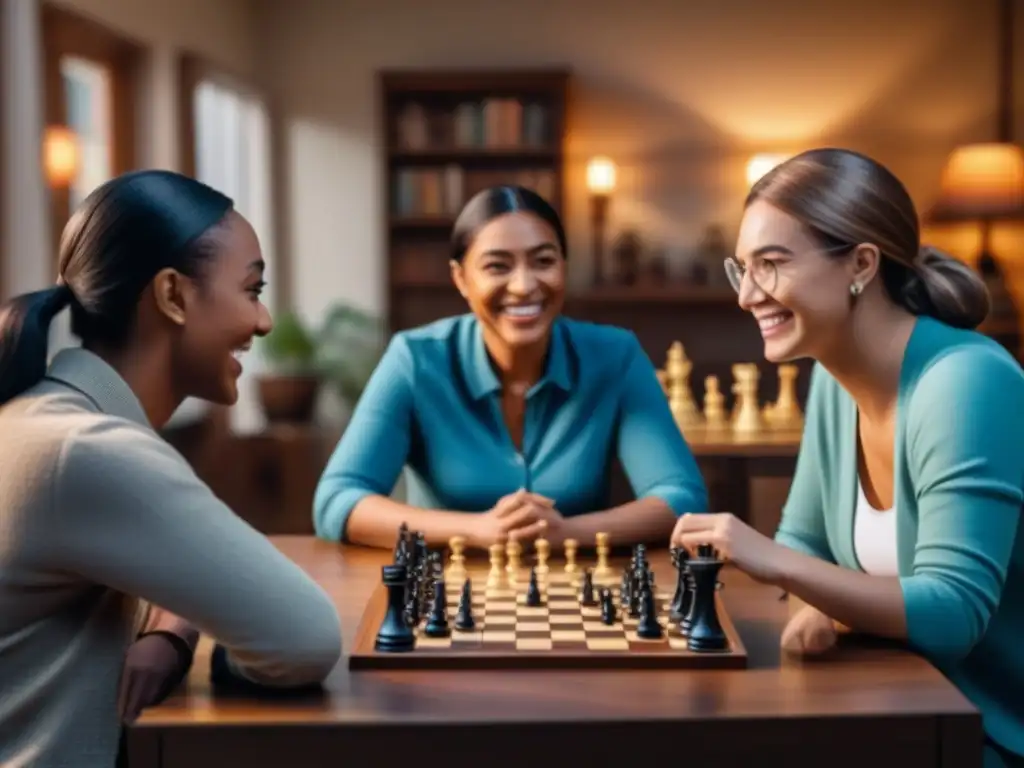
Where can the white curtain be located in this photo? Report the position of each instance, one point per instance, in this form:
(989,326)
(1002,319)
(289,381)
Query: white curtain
(233,155)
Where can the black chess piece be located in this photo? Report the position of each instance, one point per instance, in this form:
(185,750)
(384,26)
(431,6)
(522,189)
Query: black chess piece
(464,620)
(683,596)
(587,595)
(705,632)
(649,628)
(608,613)
(437,620)
(394,635)
(401,552)
(533,597)
(626,589)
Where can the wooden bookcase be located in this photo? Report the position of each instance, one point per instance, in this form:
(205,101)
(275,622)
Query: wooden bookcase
(448,135)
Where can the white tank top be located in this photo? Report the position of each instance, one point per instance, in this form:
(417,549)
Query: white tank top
(874,537)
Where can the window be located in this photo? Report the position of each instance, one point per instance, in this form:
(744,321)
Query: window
(88,104)
(226,141)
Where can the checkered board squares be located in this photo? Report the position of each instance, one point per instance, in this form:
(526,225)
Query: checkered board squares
(559,634)
(506,624)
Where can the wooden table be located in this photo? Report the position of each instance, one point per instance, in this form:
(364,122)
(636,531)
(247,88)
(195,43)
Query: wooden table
(867,705)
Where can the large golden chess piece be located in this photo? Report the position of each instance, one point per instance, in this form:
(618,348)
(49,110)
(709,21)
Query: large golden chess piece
(680,398)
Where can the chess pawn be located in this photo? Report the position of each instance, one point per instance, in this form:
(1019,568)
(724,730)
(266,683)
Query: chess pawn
(464,620)
(513,553)
(748,415)
(457,562)
(648,628)
(608,614)
(543,550)
(570,546)
(714,404)
(496,573)
(602,570)
(785,412)
(437,620)
(587,593)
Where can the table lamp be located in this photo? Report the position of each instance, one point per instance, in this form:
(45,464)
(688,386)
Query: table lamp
(600,184)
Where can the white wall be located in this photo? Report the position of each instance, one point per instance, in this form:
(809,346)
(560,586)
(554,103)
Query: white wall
(679,94)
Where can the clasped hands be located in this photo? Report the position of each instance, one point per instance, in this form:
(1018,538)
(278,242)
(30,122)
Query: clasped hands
(809,631)
(520,516)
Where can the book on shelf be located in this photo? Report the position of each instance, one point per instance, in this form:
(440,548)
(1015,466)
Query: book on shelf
(441,192)
(491,123)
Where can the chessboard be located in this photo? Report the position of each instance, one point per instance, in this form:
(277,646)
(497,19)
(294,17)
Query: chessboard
(553,614)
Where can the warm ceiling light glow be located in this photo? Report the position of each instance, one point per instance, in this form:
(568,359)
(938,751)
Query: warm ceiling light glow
(601,176)
(759,165)
(982,181)
(60,156)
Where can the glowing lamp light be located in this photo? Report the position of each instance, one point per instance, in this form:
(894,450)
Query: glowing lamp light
(600,176)
(61,156)
(982,181)
(759,165)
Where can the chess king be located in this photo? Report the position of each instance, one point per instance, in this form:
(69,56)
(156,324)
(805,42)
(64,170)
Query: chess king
(506,418)
(903,519)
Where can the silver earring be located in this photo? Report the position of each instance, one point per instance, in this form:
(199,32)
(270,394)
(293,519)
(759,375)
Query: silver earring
(855,289)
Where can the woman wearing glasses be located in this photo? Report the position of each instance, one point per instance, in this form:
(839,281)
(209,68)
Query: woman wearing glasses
(903,516)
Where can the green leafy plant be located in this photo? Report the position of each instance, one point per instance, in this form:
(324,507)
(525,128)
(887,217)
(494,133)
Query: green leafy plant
(342,353)
(290,349)
(349,346)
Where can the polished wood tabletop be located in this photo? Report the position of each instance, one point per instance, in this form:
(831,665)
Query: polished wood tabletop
(867,703)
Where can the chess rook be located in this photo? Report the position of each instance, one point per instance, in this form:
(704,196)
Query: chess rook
(395,634)
(705,631)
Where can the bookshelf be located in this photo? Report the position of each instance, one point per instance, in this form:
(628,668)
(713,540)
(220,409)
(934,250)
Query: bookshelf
(448,135)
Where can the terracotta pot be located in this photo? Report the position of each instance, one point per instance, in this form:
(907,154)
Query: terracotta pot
(289,398)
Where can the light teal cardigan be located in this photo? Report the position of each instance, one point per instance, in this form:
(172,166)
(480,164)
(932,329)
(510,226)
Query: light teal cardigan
(959,487)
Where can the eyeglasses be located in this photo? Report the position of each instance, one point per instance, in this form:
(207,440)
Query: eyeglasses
(762,271)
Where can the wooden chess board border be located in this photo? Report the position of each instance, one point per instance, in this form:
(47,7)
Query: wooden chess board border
(364,655)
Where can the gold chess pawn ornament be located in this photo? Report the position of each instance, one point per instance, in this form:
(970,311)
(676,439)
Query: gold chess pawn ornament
(457,561)
(714,404)
(543,550)
(748,419)
(570,547)
(785,412)
(513,554)
(602,570)
(497,573)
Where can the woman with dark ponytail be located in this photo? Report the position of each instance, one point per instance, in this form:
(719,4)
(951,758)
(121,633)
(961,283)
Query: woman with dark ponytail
(115,555)
(904,515)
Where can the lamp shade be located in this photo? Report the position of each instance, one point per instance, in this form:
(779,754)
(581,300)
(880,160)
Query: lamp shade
(600,176)
(982,181)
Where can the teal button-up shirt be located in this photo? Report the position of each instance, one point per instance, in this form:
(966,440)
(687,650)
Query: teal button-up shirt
(433,406)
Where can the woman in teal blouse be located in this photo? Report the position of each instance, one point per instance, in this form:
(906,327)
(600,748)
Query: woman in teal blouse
(904,512)
(510,415)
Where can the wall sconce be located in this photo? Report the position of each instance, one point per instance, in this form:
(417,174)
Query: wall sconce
(759,165)
(600,184)
(61,156)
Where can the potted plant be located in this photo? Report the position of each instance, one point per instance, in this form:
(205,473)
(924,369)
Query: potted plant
(341,354)
(289,388)
(349,346)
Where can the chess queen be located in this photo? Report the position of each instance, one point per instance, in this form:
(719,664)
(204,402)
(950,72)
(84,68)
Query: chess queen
(507,417)
(904,517)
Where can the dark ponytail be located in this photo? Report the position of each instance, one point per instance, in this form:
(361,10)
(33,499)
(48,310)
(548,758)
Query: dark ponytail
(24,338)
